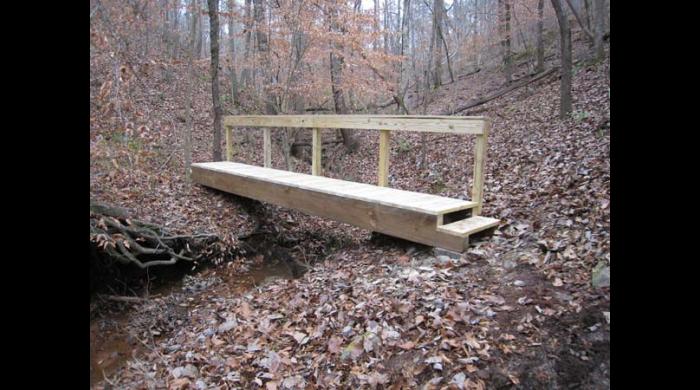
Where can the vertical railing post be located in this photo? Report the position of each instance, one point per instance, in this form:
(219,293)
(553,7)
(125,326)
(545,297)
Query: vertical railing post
(229,143)
(316,149)
(383,168)
(267,147)
(479,167)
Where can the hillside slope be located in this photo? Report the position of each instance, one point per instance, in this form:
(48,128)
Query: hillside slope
(517,310)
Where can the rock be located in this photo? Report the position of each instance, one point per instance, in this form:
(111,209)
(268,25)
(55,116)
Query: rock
(439,252)
(190,371)
(174,348)
(518,283)
(200,385)
(347,331)
(600,276)
(226,326)
(510,260)
(208,332)
(458,380)
(509,264)
(442,259)
(562,296)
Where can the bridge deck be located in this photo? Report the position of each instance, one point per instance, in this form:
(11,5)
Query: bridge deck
(414,201)
(428,219)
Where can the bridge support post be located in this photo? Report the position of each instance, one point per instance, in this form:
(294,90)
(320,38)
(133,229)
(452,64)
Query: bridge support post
(229,143)
(383,170)
(267,147)
(479,166)
(316,149)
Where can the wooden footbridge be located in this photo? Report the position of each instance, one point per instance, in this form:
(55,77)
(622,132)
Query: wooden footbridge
(428,219)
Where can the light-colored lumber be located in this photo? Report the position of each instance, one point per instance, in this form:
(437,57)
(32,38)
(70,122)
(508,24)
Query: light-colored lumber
(479,166)
(267,147)
(229,143)
(407,200)
(368,214)
(469,226)
(435,124)
(383,166)
(316,150)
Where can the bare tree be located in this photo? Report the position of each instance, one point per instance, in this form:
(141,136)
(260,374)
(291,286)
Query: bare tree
(436,42)
(565,68)
(504,24)
(214,46)
(189,128)
(599,27)
(198,14)
(540,40)
(248,32)
(232,51)
(336,65)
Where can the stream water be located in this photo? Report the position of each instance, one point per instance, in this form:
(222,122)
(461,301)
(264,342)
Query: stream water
(111,344)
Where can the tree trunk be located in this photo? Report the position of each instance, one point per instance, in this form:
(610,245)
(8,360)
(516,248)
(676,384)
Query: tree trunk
(232,50)
(476,34)
(386,26)
(336,65)
(438,6)
(565,68)
(248,27)
(214,45)
(175,30)
(540,38)
(189,128)
(505,40)
(599,28)
(375,25)
(198,13)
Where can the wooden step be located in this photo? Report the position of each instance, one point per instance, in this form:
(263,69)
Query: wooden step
(469,226)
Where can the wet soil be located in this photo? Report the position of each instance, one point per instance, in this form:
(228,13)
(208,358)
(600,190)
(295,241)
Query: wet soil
(124,331)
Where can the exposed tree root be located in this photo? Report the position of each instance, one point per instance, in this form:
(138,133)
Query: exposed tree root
(140,243)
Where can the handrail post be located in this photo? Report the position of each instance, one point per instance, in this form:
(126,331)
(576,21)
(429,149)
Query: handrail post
(479,167)
(267,147)
(229,143)
(316,149)
(383,166)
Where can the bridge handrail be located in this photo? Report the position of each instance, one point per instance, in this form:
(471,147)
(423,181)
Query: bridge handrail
(478,126)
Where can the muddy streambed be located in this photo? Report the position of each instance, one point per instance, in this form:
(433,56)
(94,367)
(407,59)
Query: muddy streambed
(130,329)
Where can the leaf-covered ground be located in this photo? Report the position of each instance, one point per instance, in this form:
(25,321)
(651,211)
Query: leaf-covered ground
(518,309)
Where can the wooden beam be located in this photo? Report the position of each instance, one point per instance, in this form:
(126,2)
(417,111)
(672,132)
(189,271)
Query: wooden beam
(398,222)
(267,147)
(316,150)
(383,170)
(229,143)
(435,124)
(479,165)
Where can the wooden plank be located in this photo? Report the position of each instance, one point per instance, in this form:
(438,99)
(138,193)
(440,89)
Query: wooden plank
(316,149)
(479,165)
(383,169)
(229,143)
(267,147)
(469,226)
(407,224)
(413,201)
(435,124)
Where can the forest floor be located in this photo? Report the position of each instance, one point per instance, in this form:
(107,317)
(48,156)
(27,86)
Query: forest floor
(518,309)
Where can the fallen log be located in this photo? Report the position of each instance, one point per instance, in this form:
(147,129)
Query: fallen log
(513,86)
